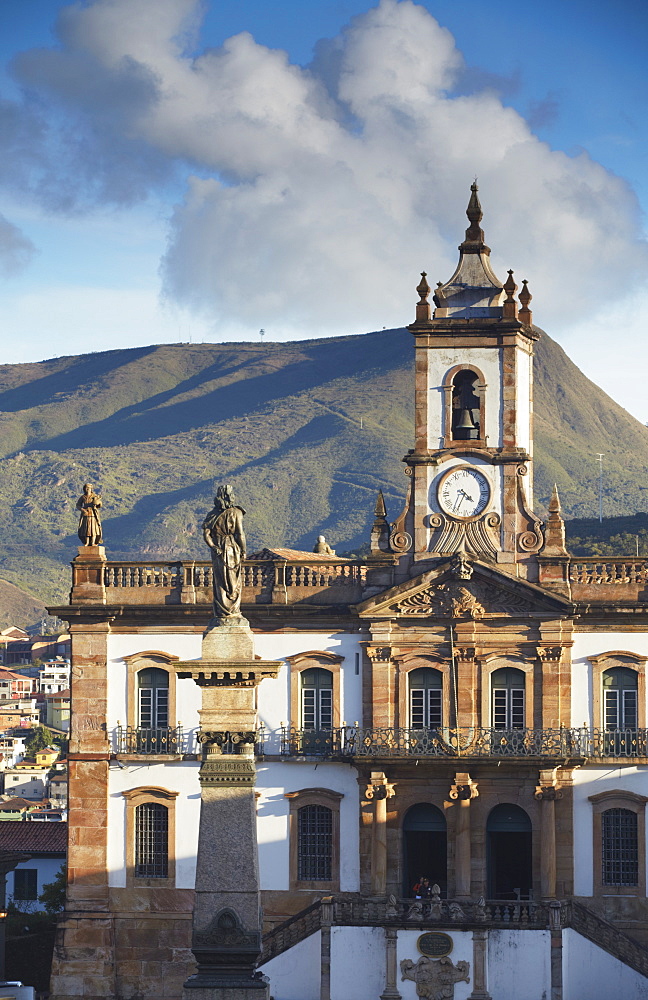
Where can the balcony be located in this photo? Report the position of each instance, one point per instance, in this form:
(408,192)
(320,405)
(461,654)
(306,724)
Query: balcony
(353,742)
(138,742)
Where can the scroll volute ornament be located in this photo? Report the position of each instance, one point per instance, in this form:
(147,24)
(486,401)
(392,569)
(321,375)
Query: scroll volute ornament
(464,788)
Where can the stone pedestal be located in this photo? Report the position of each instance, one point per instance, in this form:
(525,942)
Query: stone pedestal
(226,939)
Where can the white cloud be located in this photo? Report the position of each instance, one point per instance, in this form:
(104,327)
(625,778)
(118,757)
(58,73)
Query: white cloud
(318,194)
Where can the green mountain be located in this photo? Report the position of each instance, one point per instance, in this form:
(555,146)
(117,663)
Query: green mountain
(307,432)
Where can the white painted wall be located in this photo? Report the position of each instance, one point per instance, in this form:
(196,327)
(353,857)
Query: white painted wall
(519,965)
(594,644)
(591,781)
(524,384)
(440,362)
(273,695)
(592,974)
(295,975)
(273,781)
(181,776)
(357,963)
(46,869)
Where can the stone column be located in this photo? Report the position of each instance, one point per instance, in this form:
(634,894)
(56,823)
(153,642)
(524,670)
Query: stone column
(379,790)
(390,991)
(226,939)
(480,965)
(462,792)
(546,793)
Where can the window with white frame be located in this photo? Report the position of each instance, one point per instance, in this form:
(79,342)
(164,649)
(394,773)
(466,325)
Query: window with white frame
(153,698)
(508,698)
(425,698)
(620,698)
(316,699)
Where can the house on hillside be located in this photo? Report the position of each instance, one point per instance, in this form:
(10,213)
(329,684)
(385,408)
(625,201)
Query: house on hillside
(27,780)
(467,704)
(45,845)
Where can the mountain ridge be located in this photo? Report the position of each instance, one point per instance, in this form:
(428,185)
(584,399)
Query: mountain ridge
(307,431)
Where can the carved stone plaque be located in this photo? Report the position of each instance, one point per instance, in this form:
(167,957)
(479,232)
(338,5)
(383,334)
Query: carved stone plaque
(435,944)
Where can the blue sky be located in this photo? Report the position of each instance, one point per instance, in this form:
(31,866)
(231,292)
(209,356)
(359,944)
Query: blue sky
(166,178)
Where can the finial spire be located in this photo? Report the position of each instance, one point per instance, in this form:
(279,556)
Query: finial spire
(423,312)
(474,234)
(525,314)
(380,528)
(554,530)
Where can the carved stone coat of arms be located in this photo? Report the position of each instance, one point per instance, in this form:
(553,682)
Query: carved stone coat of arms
(435,978)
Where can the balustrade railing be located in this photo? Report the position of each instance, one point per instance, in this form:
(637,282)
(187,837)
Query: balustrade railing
(601,571)
(146,742)
(357,741)
(265,580)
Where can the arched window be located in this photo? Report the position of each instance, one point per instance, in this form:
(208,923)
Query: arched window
(316,699)
(153,698)
(466,416)
(507,692)
(314,844)
(425,698)
(151,841)
(509,853)
(620,699)
(620,847)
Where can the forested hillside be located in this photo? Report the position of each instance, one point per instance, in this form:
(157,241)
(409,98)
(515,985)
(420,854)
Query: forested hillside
(307,431)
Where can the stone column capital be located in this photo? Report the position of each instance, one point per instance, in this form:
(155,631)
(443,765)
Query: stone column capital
(379,787)
(547,788)
(464,788)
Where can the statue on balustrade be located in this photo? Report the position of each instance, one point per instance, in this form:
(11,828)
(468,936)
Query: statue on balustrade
(89,503)
(223,533)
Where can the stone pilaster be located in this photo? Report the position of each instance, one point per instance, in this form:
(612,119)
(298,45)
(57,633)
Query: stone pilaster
(480,965)
(462,792)
(390,991)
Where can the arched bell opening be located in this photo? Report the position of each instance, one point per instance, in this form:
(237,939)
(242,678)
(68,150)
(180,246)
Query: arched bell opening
(425,847)
(510,859)
(466,407)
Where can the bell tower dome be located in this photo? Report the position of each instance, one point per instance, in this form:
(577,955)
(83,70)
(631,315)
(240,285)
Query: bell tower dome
(471,462)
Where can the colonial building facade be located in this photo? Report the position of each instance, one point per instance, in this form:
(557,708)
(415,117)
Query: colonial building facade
(467,704)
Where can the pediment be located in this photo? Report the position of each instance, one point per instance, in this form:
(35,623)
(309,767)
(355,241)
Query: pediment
(462,588)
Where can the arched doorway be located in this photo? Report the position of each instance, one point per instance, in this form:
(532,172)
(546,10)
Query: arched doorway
(425,846)
(510,868)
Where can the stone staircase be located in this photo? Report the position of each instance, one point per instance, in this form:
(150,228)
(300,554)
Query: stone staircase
(354,910)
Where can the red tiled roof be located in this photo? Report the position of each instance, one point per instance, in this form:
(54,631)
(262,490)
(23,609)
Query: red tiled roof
(35,838)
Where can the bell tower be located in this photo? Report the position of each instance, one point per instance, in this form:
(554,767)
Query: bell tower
(470,466)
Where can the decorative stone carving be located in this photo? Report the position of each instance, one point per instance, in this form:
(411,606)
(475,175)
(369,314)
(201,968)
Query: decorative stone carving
(223,533)
(463,788)
(469,599)
(379,789)
(89,503)
(478,538)
(219,738)
(435,979)
(415,911)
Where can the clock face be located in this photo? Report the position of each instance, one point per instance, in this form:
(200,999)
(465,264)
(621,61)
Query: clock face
(463,492)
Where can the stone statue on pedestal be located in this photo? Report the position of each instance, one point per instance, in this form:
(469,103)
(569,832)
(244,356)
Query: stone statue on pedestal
(223,533)
(89,503)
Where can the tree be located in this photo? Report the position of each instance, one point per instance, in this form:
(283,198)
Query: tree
(53,895)
(38,738)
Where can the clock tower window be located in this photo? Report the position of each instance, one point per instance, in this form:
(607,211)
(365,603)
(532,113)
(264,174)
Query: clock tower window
(466,416)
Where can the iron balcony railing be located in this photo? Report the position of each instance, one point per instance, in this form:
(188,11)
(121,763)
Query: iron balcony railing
(143,741)
(353,742)
(358,742)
